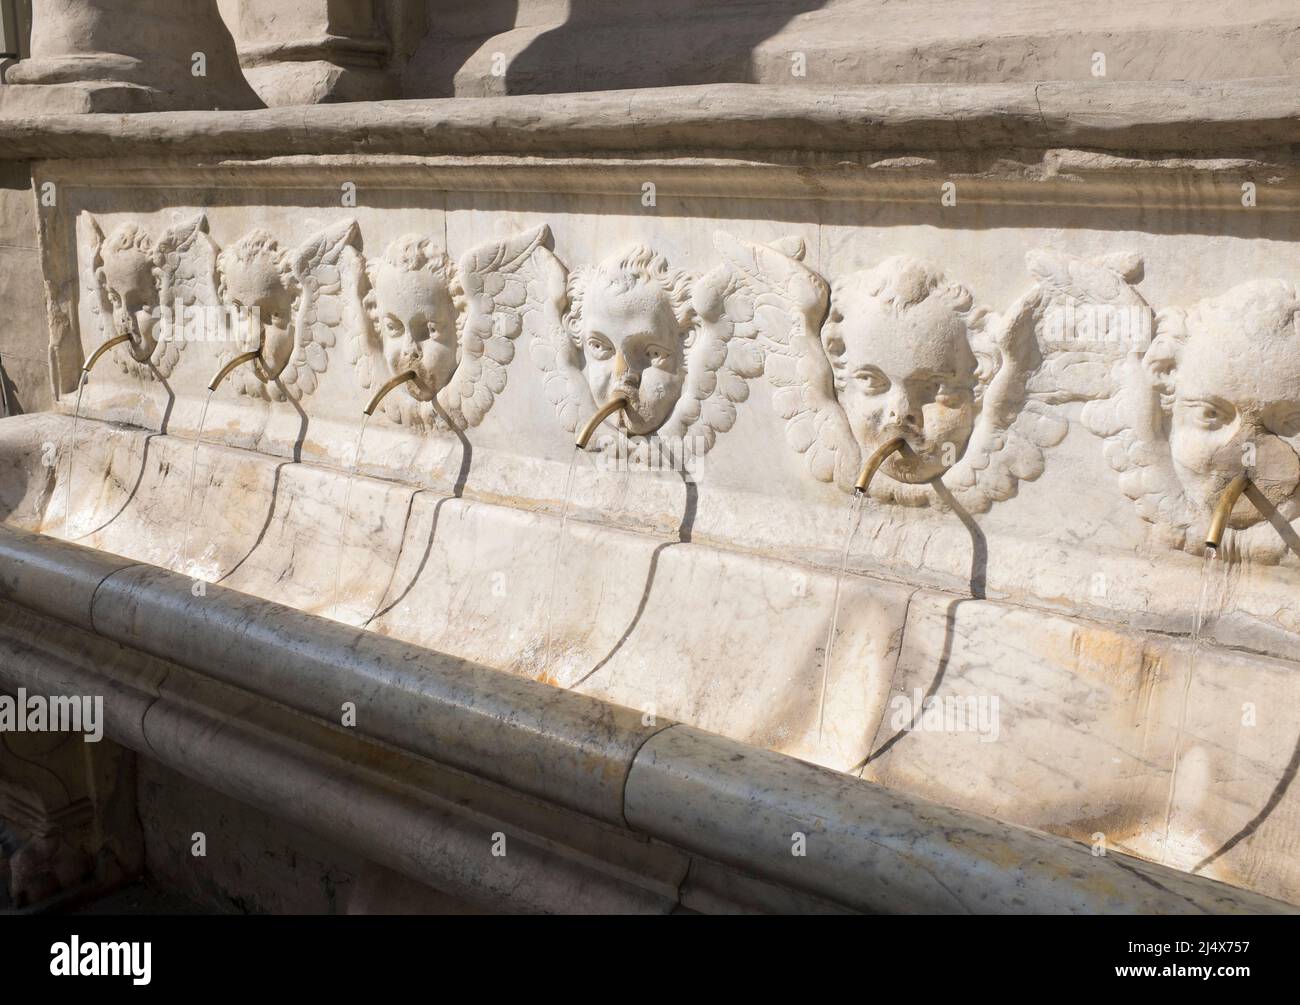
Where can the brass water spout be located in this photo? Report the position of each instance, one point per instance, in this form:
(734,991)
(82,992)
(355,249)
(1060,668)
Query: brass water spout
(875,460)
(387,386)
(224,372)
(617,402)
(94,356)
(1224,510)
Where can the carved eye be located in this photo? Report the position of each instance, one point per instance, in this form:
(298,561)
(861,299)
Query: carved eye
(392,327)
(1207,414)
(659,356)
(871,380)
(599,347)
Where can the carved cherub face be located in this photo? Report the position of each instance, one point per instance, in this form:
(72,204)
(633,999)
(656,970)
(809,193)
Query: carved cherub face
(128,276)
(897,336)
(632,321)
(412,308)
(1229,375)
(255,273)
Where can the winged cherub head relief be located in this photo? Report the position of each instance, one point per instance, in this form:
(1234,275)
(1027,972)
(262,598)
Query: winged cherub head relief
(290,305)
(135,284)
(412,308)
(898,338)
(631,320)
(256,276)
(127,272)
(901,352)
(1228,375)
(452,323)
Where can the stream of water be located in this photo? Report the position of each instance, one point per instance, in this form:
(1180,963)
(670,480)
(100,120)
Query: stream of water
(72,453)
(850,528)
(343,523)
(189,495)
(555,563)
(1209,567)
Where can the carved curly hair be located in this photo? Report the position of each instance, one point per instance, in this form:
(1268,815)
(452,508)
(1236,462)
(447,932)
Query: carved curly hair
(902,284)
(256,244)
(412,253)
(1262,309)
(129,237)
(626,271)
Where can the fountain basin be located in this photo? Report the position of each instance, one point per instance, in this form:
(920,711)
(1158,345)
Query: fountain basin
(1017,645)
(1063,725)
(599,807)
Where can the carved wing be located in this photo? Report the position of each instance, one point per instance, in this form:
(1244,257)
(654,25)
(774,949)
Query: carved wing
(1096,327)
(185,263)
(1057,343)
(555,354)
(777,304)
(509,286)
(365,351)
(1012,431)
(328,270)
(90,241)
(723,357)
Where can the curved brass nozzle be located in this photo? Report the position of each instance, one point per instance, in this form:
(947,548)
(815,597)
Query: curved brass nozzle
(387,386)
(224,372)
(875,460)
(615,403)
(1224,510)
(94,356)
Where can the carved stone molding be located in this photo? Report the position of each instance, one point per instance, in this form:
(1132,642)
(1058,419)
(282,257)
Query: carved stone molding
(67,816)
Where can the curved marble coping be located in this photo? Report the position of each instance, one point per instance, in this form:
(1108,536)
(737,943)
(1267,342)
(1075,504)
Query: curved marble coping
(862,846)
(1187,117)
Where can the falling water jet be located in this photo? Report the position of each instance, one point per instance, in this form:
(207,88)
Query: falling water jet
(82,379)
(389,385)
(189,495)
(555,562)
(213,384)
(860,490)
(617,402)
(1213,538)
(855,514)
(1198,624)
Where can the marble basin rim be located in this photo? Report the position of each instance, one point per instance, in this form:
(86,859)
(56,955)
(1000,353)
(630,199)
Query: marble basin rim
(241,693)
(468,576)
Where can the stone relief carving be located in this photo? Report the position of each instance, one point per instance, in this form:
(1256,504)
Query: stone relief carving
(894,350)
(680,348)
(135,286)
(1215,395)
(903,352)
(453,324)
(304,298)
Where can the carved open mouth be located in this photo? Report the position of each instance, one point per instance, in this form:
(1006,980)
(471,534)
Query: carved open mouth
(140,348)
(637,417)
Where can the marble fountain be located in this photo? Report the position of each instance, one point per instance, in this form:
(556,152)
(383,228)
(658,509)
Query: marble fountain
(1010,675)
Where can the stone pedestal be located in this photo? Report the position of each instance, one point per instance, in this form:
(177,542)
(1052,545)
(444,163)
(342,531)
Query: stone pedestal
(115,56)
(319,51)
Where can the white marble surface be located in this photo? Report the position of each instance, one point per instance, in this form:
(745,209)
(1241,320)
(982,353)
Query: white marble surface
(1081,741)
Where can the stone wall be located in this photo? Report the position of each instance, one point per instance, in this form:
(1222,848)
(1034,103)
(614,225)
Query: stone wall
(24,344)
